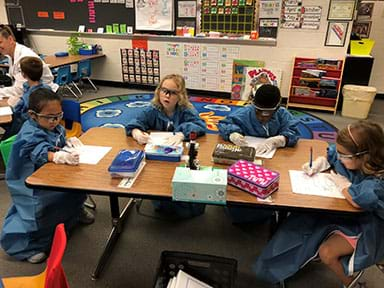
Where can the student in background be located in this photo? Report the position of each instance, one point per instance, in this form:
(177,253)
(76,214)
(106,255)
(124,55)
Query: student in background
(31,220)
(32,70)
(263,118)
(170,111)
(347,245)
(15,52)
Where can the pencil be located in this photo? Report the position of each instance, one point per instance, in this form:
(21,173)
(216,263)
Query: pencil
(310,157)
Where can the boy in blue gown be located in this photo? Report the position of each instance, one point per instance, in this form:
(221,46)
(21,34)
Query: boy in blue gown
(31,220)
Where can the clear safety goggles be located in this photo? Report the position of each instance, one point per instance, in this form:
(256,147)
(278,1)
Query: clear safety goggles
(266,111)
(351,156)
(169,92)
(50,118)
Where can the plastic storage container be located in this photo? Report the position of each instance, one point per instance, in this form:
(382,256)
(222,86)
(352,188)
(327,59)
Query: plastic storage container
(218,272)
(357,101)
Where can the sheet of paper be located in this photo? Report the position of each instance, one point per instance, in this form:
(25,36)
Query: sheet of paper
(90,154)
(184,280)
(128,182)
(255,141)
(318,184)
(5,111)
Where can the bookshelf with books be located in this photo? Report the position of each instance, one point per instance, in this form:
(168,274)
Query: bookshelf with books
(315,83)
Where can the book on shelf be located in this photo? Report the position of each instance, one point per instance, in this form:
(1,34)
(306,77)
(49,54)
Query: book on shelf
(309,82)
(312,73)
(304,91)
(230,153)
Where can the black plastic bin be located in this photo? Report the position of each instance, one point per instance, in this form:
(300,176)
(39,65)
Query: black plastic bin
(218,272)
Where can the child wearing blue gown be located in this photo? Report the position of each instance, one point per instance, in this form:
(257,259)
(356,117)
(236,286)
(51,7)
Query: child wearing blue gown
(31,220)
(170,111)
(263,118)
(346,244)
(32,69)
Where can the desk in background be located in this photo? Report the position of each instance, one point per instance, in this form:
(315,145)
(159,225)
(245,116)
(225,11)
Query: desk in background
(8,118)
(55,62)
(95,179)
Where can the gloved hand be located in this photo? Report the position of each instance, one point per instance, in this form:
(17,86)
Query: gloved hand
(175,140)
(74,142)
(140,136)
(64,157)
(340,181)
(238,139)
(270,143)
(319,165)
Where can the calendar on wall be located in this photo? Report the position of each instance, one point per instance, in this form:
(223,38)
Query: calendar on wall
(228,16)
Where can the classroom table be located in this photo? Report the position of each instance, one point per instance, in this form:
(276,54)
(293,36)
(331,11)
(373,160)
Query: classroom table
(8,118)
(95,179)
(54,61)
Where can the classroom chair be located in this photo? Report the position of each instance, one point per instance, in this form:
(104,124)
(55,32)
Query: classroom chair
(5,149)
(53,276)
(84,71)
(71,118)
(64,77)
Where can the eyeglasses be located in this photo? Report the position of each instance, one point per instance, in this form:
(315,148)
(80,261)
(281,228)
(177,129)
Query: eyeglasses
(50,118)
(351,156)
(169,92)
(266,111)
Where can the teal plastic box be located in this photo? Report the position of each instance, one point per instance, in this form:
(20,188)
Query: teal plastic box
(203,186)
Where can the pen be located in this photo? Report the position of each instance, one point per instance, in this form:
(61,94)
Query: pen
(310,157)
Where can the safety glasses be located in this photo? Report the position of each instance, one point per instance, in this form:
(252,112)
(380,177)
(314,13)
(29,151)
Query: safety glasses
(50,118)
(351,156)
(266,111)
(169,92)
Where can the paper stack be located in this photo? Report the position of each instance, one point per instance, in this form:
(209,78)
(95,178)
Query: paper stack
(184,280)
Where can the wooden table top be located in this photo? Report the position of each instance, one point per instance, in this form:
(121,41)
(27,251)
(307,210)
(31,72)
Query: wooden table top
(8,118)
(155,179)
(54,61)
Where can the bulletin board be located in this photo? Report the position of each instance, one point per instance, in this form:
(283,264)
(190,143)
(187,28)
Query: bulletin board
(228,16)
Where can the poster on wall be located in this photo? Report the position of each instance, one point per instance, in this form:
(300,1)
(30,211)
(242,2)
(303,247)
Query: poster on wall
(341,9)
(154,15)
(258,76)
(365,10)
(140,66)
(336,33)
(362,28)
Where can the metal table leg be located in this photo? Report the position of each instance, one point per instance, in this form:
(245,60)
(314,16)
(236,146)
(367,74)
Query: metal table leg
(117,227)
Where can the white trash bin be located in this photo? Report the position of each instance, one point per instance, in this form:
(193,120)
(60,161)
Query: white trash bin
(357,101)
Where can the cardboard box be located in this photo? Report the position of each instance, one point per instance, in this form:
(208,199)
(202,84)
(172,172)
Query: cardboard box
(203,186)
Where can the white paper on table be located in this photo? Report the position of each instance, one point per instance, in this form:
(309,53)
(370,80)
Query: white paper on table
(318,184)
(5,111)
(160,138)
(184,280)
(90,154)
(255,141)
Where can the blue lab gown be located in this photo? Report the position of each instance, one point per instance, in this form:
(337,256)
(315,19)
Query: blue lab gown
(244,121)
(20,111)
(185,121)
(32,218)
(298,239)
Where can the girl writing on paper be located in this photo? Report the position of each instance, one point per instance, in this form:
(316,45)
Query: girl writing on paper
(347,245)
(170,111)
(31,220)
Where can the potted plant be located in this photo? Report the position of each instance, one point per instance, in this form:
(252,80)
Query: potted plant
(74,44)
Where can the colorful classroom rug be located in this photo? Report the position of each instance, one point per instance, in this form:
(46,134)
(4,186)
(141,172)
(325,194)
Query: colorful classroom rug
(115,111)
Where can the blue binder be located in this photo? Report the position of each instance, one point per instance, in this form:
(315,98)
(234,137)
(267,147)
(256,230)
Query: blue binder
(126,163)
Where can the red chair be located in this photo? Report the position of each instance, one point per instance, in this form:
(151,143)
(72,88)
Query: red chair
(53,275)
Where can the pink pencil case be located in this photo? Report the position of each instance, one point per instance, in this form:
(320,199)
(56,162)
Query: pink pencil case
(253,178)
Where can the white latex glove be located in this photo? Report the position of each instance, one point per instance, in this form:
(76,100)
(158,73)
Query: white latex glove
(238,139)
(74,142)
(340,181)
(269,144)
(63,157)
(319,165)
(140,136)
(174,140)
